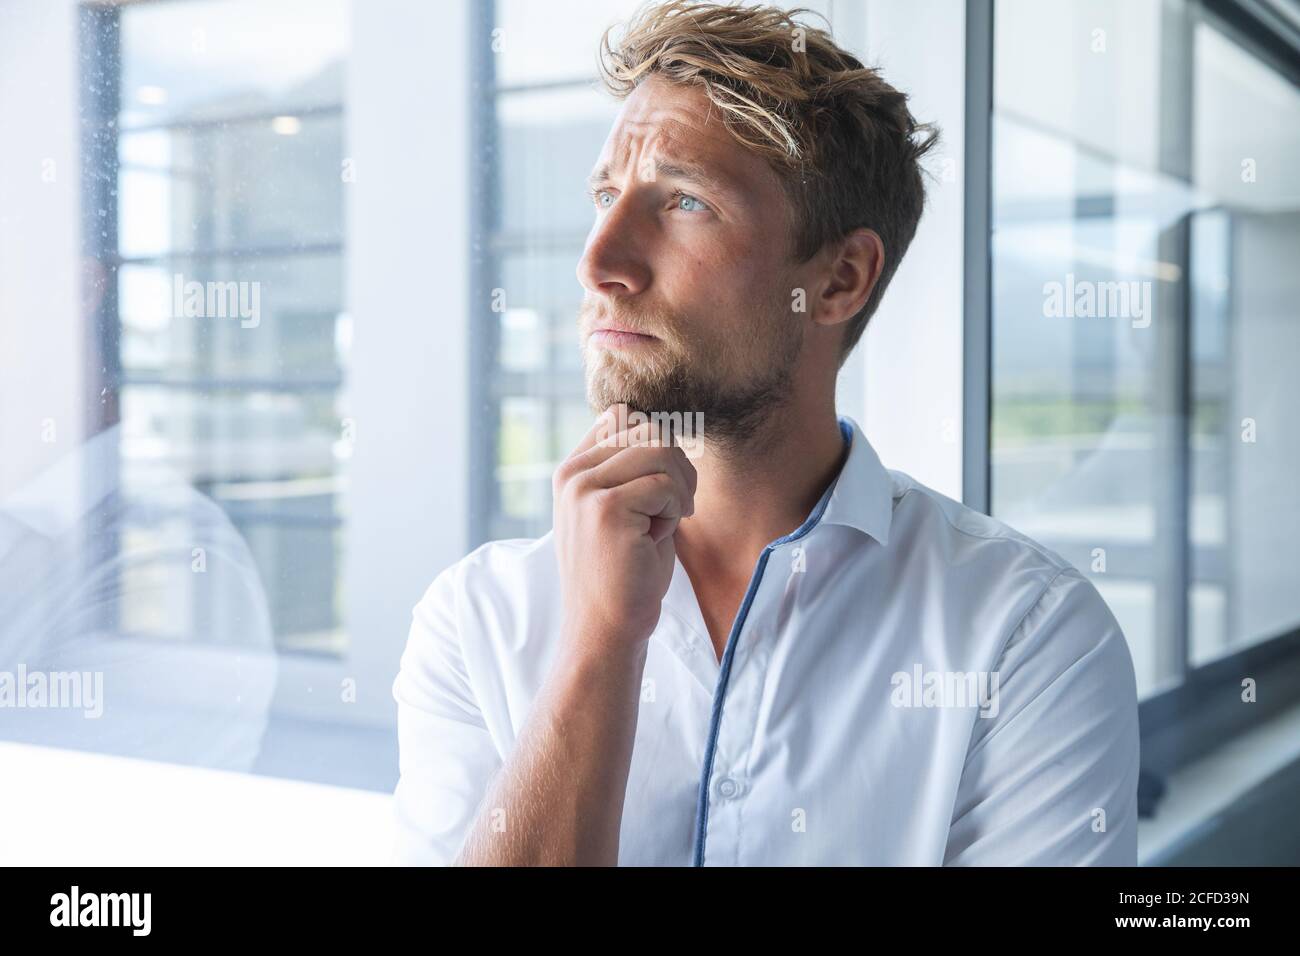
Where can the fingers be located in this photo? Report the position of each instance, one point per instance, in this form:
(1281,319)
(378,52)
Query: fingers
(605,430)
(598,449)
(638,461)
(634,470)
(602,440)
(599,428)
(655,501)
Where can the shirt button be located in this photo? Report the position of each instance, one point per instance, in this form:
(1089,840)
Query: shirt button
(728,788)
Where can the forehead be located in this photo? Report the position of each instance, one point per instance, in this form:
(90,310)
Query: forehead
(671,121)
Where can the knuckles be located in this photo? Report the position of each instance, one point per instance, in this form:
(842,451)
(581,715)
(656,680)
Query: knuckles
(571,482)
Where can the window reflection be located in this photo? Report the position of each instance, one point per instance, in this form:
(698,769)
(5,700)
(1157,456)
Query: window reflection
(229,178)
(1125,140)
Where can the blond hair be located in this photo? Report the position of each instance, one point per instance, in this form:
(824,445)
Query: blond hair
(842,140)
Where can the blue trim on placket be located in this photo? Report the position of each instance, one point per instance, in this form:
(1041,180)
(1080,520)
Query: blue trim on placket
(715,719)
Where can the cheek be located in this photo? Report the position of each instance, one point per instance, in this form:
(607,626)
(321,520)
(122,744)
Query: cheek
(723,291)
(745,258)
(728,275)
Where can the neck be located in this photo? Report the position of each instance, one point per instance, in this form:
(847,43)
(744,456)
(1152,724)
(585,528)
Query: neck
(749,496)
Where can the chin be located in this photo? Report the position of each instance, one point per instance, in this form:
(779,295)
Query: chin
(607,390)
(614,378)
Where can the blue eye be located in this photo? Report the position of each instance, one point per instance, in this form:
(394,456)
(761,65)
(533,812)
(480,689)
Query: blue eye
(683,200)
(598,196)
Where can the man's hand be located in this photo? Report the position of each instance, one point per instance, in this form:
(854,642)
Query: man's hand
(618,499)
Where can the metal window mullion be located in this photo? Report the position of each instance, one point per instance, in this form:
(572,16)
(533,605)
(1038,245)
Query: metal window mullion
(1171,387)
(485,269)
(100,95)
(977,316)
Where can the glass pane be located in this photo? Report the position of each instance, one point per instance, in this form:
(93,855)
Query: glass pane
(223,186)
(1142,313)
(549,42)
(267,318)
(209,60)
(549,142)
(522,473)
(231,341)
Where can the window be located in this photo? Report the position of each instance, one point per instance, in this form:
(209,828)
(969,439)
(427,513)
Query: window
(215,184)
(1143,318)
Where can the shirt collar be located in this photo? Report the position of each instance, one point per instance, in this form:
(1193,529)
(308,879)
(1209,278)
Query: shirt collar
(862,494)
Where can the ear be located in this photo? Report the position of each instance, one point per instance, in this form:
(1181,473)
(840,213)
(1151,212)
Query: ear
(854,269)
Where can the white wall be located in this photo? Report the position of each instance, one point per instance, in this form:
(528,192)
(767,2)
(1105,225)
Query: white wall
(910,358)
(42,332)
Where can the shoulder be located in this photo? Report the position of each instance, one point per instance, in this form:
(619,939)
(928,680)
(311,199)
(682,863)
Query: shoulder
(923,512)
(1042,604)
(495,568)
(497,588)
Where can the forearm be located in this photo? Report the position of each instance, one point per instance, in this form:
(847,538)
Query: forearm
(558,800)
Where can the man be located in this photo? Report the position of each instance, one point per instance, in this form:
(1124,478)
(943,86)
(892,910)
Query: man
(778,652)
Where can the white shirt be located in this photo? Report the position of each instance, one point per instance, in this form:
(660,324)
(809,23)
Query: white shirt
(835,730)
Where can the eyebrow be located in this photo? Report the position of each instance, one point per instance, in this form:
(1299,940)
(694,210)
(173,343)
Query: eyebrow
(686,170)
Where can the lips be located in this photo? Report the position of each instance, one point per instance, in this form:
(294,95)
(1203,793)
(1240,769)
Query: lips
(608,338)
(626,330)
(602,322)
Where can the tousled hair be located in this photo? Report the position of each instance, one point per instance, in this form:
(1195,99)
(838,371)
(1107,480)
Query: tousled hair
(842,140)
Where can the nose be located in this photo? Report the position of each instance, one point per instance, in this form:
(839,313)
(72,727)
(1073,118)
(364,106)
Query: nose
(615,259)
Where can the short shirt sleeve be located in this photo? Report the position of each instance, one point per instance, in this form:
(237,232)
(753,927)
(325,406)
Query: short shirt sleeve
(1051,778)
(447,756)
